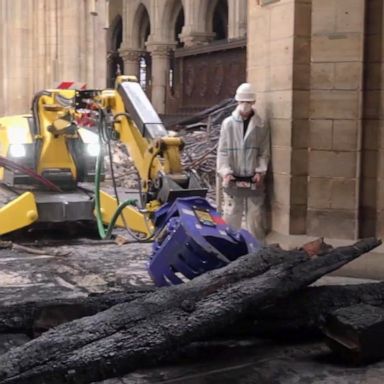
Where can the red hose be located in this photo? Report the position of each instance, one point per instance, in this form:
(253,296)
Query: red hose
(13,166)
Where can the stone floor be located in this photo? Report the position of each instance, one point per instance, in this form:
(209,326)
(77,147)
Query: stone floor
(75,271)
(257,362)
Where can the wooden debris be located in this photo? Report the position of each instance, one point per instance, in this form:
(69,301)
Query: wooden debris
(356,333)
(199,152)
(36,317)
(300,314)
(33,251)
(136,334)
(303,313)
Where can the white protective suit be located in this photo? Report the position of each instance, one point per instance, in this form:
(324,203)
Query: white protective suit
(241,155)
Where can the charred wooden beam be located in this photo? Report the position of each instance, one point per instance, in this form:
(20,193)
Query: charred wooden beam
(143,332)
(356,333)
(39,316)
(300,314)
(304,312)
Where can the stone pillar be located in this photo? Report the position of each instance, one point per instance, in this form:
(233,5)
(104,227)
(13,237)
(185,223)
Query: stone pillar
(372,168)
(2,55)
(160,74)
(278,62)
(81,42)
(195,26)
(70,29)
(17,55)
(237,15)
(48,56)
(131,58)
(194,38)
(338,29)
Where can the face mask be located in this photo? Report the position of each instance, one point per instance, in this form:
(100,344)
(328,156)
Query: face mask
(245,108)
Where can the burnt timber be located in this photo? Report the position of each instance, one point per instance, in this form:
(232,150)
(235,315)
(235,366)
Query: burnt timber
(132,335)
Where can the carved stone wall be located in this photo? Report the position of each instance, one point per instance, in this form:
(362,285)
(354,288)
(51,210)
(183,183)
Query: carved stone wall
(159,26)
(204,77)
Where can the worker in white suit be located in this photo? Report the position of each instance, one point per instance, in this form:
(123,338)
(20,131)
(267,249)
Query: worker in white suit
(242,162)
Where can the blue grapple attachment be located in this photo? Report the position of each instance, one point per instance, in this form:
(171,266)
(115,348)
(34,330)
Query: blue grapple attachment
(192,238)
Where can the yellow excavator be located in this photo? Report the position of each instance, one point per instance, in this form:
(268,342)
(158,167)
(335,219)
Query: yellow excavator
(48,155)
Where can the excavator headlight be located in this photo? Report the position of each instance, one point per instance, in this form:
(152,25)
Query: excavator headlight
(93,149)
(17,150)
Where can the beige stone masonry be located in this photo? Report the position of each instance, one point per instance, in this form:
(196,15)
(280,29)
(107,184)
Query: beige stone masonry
(45,42)
(332,164)
(279,67)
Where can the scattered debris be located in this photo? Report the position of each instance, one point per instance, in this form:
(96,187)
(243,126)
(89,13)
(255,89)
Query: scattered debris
(200,134)
(34,251)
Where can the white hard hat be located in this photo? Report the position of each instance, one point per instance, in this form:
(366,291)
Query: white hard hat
(245,92)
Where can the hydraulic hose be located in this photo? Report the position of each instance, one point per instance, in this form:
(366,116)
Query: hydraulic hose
(106,233)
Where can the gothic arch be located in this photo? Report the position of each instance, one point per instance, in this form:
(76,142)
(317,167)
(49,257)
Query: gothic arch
(173,19)
(115,33)
(216,17)
(115,64)
(141,27)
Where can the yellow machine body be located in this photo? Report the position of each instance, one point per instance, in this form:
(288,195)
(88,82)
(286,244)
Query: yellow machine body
(54,152)
(20,212)
(55,149)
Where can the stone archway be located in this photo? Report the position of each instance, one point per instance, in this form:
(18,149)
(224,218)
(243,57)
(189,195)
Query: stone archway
(137,29)
(220,20)
(115,63)
(141,33)
(173,20)
(141,27)
(217,19)
(179,24)
(178,27)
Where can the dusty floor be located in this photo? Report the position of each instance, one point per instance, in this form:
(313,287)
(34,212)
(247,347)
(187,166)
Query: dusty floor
(258,362)
(71,271)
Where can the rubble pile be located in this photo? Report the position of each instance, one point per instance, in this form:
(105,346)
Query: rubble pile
(200,134)
(124,171)
(200,153)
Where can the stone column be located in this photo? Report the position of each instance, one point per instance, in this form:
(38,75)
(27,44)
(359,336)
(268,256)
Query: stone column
(70,29)
(195,27)
(2,55)
(237,23)
(278,61)
(337,59)
(17,55)
(160,74)
(131,59)
(372,168)
(194,38)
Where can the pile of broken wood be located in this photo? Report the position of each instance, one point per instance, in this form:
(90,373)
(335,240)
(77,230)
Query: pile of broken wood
(264,293)
(200,133)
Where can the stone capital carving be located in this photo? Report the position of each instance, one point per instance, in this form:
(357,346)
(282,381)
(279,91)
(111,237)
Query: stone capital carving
(130,54)
(191,39)
(160,49)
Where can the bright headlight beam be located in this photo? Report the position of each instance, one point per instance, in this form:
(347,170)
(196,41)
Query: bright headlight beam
(17,150)
(93,149)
